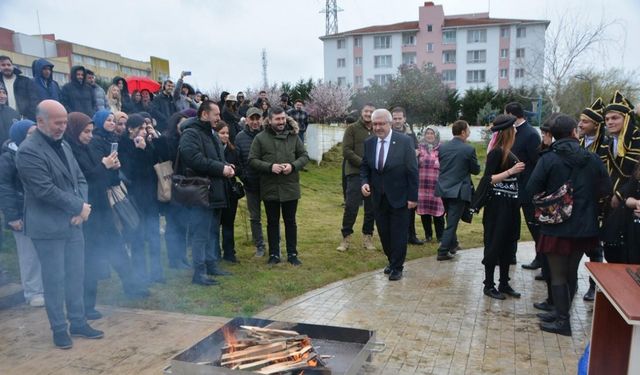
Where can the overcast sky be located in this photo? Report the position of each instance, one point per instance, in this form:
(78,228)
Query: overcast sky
(220,41)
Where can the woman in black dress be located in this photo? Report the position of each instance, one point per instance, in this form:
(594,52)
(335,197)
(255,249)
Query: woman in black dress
(631,194)
(501,219)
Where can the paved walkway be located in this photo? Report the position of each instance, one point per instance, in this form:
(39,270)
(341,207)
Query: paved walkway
(436,320)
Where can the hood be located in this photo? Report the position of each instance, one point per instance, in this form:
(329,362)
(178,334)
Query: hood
(291,126)
(74,70)
(569,149)
(194,123)
(16,71)
(190,88)
(37,67)
(124,83)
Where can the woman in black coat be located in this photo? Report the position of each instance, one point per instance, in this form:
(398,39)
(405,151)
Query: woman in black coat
(137,154)
(228,217)
(103,243)
(564,243)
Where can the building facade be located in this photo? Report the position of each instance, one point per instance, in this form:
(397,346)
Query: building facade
(23,49)
(469,50)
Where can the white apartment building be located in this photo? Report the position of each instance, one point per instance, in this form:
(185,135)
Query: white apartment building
(469,50)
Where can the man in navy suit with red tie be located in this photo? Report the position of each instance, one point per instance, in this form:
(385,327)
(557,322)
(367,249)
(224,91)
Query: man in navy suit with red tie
(389,173)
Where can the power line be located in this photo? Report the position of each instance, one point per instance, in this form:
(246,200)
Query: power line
(331,16)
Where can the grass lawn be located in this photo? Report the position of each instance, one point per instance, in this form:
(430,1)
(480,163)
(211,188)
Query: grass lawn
(255,285)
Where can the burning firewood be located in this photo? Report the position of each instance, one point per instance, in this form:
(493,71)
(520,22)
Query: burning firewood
(268,351)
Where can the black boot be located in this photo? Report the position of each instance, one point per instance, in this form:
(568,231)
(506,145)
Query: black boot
(562,300)
(546,305)
(489,289)
(214,270)
(534,265)
(504,286)
(200,276)
(590,295)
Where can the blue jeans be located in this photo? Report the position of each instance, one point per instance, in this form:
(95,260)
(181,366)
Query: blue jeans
(204,241)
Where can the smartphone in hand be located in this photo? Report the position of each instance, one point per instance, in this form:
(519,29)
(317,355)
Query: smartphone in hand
(114,147)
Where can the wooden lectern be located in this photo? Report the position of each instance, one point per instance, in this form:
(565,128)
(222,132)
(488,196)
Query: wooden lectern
(615,330)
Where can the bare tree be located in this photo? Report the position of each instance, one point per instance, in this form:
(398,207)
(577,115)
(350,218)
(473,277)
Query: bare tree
(569,44)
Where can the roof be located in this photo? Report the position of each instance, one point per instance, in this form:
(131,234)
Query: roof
(449,22)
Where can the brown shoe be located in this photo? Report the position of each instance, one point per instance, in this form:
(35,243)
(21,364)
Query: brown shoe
(367,242)
(344,245)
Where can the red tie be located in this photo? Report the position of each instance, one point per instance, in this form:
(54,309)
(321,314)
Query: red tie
(381,156)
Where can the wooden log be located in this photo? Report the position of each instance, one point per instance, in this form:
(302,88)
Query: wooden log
(291,351)
(286,366)
(281,339)
(276,332)
(256,349)
(266,361)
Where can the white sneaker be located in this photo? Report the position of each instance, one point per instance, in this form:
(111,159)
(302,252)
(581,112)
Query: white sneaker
(37,301)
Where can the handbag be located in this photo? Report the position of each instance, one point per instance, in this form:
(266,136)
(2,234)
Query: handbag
(124,211)
(557,207)
(237,189)
(189,191)
(164,171)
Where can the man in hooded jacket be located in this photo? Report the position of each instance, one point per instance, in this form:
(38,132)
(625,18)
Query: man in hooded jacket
(47,87)
(77,95)
(21,92)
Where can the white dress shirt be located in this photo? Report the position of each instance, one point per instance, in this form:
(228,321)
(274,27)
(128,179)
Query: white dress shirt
(387,141)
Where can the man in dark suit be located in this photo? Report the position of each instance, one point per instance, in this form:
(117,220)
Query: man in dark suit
(526,148)
(389,174)
(458,162)
(55,195)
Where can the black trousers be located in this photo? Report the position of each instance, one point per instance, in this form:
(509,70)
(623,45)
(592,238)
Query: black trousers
(177,217)
(438,223)
(273,210)
(62,264)
(227,222)
(454,208)
(352,206)
(394,242)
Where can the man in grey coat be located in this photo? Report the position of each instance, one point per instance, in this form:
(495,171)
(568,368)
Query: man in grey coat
(56,205)
(458,162)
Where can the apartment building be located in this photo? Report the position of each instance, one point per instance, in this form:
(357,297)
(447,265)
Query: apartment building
(23,49)
(468,50)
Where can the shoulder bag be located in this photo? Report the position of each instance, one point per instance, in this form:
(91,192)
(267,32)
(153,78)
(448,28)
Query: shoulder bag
(190,191)
(557,207)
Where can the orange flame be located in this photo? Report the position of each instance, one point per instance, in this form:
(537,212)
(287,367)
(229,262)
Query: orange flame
(229,338)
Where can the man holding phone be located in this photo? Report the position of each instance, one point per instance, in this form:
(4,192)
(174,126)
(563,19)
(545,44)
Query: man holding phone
(184,94)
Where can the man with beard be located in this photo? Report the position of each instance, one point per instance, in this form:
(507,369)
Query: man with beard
(22,95)
(55,194)
(77,95)
(163,106)
(353,151)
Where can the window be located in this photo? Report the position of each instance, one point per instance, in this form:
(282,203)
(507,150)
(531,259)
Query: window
(475,76)
(342,63)
(342,43)
(408,39)
(382,61)
(357,60)
(126,70)
(429,65)
(409,58)
(357,42)
(429,28)
(429,47)
(521,32)
(449,57)
(504,32)
(89,60)
(520,73)
(113,66)
(477,36)
(449,75)
(77,59)
(102,63)
(342,81)
(382,79)
(475,57)
(358,80)
(520,53)
(449,37)
(504,73)
(60,78)
(382,42)
(504,53)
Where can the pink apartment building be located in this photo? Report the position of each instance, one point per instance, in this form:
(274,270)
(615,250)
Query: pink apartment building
(469,50)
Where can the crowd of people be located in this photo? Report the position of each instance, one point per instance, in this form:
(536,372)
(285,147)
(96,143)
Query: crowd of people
(82,173)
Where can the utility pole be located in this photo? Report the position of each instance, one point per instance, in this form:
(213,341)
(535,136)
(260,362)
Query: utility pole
(331,16)
(265,81)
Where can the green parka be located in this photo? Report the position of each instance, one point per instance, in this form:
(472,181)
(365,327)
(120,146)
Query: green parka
(353,146)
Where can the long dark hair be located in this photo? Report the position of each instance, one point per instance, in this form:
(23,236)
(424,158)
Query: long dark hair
(221,125)
(504,141)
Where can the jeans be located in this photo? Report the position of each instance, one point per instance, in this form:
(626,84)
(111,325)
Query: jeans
(454,208)
(301,135)
(273,209)
(227,221)
(62,263)
(438,223)
(253,205)
(30,271)
(149,232)
(204,239)
(352,205)
(177,217)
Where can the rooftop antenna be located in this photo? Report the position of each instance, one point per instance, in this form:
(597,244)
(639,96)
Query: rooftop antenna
(265,81)
(331,16)
(44,46)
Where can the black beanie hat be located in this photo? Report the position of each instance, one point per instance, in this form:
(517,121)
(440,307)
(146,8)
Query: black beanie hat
(134,121)
(502,122)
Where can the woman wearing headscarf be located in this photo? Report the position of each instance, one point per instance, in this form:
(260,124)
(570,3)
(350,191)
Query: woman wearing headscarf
(430,208)
(114,100)
(501,219)
(103,243)
(11,205)
(138,155)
